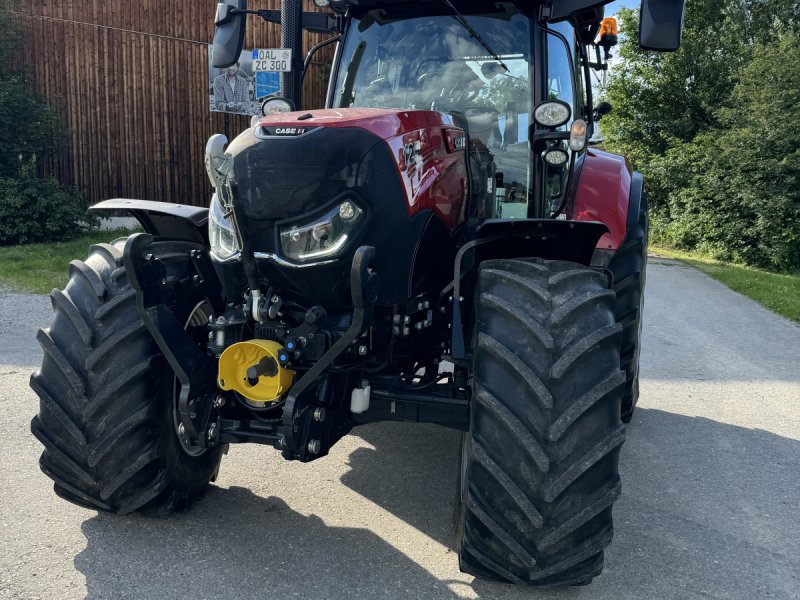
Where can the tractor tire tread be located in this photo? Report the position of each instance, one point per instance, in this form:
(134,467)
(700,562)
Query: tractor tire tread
(105,417)
(540,463)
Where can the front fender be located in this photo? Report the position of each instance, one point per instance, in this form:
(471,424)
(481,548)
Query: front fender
(611,193)
(550,239)
(163,219)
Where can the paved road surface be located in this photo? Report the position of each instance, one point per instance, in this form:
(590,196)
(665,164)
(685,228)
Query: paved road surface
(710,507)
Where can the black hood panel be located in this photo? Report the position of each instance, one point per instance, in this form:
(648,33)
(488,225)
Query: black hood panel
(280,176)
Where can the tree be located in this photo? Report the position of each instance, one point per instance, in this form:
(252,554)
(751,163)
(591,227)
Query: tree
(31,208)
(704,125)
(30,128)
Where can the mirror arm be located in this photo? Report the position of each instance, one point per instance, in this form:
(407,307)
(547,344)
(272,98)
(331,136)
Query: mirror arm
(271,16)
(313,22)
(600,65)
(314,50)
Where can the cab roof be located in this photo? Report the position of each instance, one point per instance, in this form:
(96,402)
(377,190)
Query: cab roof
(587,14)
(559,9)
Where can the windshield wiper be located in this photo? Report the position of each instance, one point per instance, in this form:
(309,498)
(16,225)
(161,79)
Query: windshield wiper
(350,76)
(474,34)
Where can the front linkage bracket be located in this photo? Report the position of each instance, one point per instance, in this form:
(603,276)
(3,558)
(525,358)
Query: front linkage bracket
(299,426)
(192,366)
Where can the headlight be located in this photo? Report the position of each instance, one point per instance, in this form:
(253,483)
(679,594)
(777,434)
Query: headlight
(221,232)
(324,237)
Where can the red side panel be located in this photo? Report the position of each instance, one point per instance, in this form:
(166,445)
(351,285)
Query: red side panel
(435,177)
(604,194)
(429,151)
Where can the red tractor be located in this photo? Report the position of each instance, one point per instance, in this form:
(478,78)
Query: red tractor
(437,245)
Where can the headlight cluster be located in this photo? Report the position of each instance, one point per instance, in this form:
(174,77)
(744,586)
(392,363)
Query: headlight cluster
(324,237)
(221,232)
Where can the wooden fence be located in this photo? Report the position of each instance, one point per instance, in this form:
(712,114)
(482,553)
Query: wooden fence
(130,82)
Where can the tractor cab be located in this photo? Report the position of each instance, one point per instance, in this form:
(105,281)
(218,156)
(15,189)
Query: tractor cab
(491,65)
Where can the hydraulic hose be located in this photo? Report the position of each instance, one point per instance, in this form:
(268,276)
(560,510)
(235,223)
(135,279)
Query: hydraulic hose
(248,259)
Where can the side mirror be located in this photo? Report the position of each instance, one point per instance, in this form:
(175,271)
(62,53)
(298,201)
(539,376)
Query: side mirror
(661,25)
(601,110)
(229,35)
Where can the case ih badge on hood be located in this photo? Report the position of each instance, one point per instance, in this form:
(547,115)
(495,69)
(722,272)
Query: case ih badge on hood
(436,245)
(264,131)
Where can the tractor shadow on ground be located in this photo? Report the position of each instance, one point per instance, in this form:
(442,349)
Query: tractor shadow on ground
(412,473)
(708,509)
(235,544)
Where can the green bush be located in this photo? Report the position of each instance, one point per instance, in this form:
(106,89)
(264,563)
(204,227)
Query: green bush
(712,129)
(30,128)
(39,209)
(32,209)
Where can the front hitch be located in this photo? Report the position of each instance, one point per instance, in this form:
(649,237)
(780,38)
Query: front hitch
(302,436)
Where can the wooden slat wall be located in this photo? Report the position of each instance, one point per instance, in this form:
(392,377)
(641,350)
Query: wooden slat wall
(130,81)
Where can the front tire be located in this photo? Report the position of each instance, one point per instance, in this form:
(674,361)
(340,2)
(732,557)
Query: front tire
(539,463)
(107,397)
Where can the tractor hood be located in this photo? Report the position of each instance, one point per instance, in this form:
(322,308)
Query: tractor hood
(314,186)
(293,163)
(383,123)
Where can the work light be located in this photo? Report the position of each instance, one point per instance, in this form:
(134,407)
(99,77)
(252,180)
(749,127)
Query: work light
(552,113)
(275,105)
(555,157)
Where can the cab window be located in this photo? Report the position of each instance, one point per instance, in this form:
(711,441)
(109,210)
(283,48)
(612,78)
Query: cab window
(560,86)
(560,80)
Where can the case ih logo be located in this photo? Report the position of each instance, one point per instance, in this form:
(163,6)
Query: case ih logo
(284,131)
(290,130)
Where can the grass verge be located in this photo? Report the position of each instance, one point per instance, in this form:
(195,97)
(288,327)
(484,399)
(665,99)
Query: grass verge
(38,268)
(779,293)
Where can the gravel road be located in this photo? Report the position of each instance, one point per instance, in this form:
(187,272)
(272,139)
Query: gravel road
(710,506)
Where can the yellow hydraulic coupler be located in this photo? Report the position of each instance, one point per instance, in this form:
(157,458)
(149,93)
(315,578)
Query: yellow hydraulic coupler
(254,369)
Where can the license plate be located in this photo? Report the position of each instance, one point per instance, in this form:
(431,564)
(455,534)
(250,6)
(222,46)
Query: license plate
(272,60)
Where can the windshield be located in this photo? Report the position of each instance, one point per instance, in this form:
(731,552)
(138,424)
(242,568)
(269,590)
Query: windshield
(432,62)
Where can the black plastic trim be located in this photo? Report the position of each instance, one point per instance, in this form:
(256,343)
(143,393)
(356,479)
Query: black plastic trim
(551,239)
(163,219)
(635,202)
